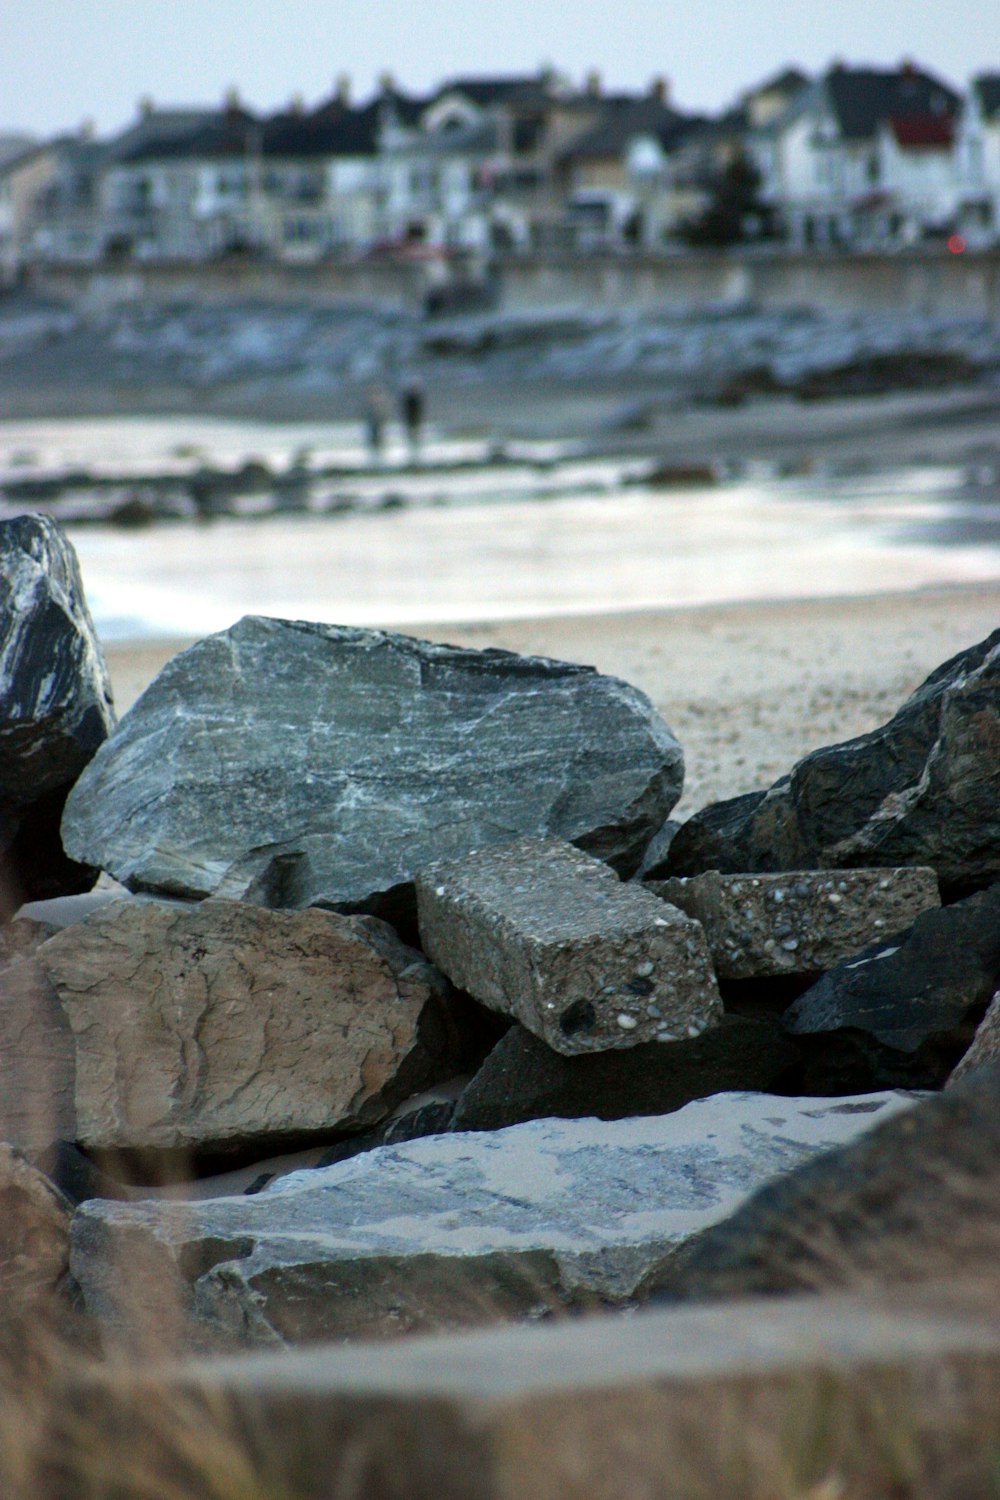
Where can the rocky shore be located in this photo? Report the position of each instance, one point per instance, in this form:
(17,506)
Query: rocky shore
(356,985)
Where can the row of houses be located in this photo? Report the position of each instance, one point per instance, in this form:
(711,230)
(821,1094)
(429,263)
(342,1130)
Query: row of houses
(857,158)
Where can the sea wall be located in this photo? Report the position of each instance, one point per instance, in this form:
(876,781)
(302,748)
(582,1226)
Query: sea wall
(930,282)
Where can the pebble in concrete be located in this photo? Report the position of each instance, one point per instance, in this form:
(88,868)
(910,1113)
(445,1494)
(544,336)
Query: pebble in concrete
(544,933)
(450,1230)
(798,923)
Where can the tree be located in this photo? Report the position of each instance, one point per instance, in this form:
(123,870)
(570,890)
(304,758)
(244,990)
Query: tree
(735,211)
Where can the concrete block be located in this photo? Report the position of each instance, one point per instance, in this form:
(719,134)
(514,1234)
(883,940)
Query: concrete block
(546,934)
(798,923)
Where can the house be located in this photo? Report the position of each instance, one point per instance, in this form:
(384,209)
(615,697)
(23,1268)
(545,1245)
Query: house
(978,217)
(619,178)
(864,157)
(321,185)
(185,193)
(49,206)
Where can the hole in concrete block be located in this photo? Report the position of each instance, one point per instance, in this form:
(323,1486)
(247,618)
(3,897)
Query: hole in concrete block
(580,1016)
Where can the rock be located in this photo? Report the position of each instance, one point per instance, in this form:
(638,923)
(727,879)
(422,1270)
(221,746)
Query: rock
(223,1026)
(819,1396)
(985,1044)
(324,765)
(544,933)
(37,1066)
(916,1198)
(448,1230)
(55,705)
(523,1079)
(916,987)
(34,1234)
(922,790)
(758,925)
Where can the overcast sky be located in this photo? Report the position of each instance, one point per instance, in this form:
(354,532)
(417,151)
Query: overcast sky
(63,61)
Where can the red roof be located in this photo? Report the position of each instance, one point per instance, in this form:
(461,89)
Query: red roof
(923,131)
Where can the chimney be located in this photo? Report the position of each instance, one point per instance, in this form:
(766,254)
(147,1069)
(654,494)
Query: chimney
(343,89)
(231,101)
(907,67)
(659,89)
(386,83)
(592,84)
(296,105)
(87,129)
(146,106)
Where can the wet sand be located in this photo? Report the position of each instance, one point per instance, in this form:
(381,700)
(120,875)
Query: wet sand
(747,688)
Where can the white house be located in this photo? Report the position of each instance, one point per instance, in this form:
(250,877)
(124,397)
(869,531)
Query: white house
(864,157)
(979,158)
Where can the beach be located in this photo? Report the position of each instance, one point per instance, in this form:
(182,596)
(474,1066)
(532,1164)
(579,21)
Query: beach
(747,688)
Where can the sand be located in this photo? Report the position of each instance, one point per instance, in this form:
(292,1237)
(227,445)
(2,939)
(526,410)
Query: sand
(747,688)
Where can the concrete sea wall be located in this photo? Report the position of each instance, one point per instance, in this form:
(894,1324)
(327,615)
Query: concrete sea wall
(934,282)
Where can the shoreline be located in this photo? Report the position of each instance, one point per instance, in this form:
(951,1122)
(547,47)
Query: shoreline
(748,688)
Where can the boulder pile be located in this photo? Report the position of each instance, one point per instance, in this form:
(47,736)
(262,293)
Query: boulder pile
(399,978)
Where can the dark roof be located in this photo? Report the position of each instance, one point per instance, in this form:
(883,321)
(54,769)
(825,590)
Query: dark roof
(156,126)
(335,129)
(620,125)
(228,133)
(863,98)
(788,81)
(487,92)
(923,131)
(987,86)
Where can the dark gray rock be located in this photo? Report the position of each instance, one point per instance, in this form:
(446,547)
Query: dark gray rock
(55,705)
(916,1198)
(294,764)
(918,986)
(759,925)
(924,789)
(523,1079)
(542,932)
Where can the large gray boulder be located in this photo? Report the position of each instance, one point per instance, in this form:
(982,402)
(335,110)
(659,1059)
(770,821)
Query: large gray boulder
(55,705)
(449,1230)
(296,764)
(924,789)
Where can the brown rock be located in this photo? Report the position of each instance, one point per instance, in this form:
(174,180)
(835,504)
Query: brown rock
(34,1233)
(985,1046)
(210,1027)
(36,1058)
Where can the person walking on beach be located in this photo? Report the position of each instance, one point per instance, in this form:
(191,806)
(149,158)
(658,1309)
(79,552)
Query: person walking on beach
(376,416)
(412,408)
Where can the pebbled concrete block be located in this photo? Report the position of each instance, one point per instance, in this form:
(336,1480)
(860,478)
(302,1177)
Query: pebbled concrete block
(546,934)
(798,923)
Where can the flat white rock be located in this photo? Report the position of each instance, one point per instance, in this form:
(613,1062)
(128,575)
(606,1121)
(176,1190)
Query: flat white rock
(453,1229)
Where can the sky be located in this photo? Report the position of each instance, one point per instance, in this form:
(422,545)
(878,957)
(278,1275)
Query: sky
(63,62)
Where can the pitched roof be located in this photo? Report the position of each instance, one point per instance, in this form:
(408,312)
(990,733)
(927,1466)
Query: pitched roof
(626,120)
(230,132)
(335,129)
(987,86)
(863,98)
(487,92)
(923,132)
